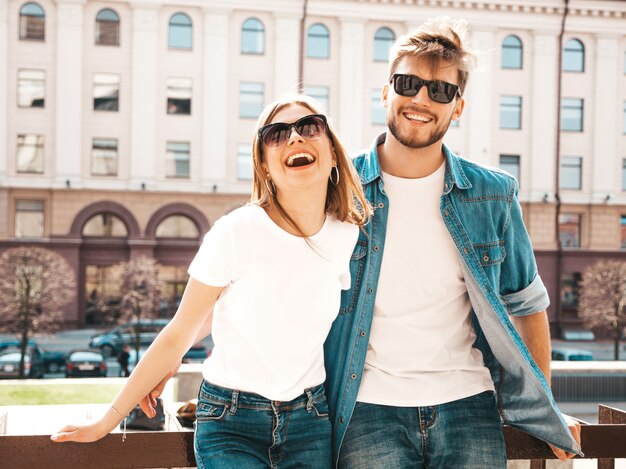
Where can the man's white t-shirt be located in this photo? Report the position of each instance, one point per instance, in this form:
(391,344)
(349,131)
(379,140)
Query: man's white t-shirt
(420,349)
(281,296)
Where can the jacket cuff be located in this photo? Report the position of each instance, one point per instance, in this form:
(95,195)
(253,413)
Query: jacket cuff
(530,300)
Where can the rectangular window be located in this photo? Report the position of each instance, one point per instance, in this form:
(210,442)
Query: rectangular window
(250,99)
(623,230)
(244,162)
(29,219)
(31,88)
(571,172)
(379,113)
(29,153)
(510,112)
(320,93)
(570,286)
(572,114)
(510,164)
(624,174)
(179,96)
(106,92)
(569,230)
(104,157)
(177,164)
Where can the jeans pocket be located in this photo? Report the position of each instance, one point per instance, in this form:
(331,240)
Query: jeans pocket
(320,408)
(210,411)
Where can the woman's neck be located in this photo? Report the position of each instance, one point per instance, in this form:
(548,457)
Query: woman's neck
(305,209)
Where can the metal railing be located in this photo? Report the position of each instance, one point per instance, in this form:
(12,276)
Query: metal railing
(604,441)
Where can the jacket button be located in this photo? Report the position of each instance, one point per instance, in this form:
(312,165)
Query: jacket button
(362,333)
(485,258)
(375,248)
(371,290)
(381,205)
(353,376)
(341,420)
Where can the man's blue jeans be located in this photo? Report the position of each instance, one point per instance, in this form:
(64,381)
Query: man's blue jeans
(243,430)
(463,434)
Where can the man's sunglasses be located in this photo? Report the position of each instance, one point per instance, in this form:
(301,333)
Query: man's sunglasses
(310,127)
(438,91)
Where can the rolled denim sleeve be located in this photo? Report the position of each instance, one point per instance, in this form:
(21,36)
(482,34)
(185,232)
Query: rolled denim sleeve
(521,288)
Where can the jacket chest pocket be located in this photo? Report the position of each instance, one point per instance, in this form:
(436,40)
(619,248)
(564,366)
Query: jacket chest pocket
(350,297)
(491,256)
(490,253)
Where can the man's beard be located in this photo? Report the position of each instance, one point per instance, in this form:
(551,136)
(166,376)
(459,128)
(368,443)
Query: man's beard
(412,140)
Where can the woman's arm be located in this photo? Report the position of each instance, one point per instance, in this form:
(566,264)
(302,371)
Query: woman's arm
(162,356)
(148,403)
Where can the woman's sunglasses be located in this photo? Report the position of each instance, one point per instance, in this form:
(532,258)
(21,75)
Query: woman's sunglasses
(310,127)
(438,91)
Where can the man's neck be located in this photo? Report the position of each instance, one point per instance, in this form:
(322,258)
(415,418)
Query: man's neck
(406,162)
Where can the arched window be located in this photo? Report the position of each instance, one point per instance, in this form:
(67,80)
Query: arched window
(32,22)
(318,42)
(177,226)
(252,37)
(107,28)
(105,224)
(512,49)
(383,39)
(574,56)
(180,31)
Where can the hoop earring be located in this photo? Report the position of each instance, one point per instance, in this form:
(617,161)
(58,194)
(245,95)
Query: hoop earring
(269,188)
(334,183)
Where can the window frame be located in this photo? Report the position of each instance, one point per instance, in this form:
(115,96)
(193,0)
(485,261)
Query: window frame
(23,34)
(97,32)
(322,38)
(510,106)
(40,149)
(581,109)
(581,51)
(42,222)
(116,160)
(249,31)
(380,40)
(175,160)
(19,82)
(189,29)
(518,48)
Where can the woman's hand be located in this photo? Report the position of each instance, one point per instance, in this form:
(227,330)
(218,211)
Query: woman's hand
(82,433)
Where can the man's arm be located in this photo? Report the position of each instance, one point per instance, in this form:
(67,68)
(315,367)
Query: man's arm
(535,332)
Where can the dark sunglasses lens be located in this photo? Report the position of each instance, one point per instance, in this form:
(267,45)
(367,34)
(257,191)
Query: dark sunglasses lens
(276,134)
(405,85)
(441,92)
(311,127)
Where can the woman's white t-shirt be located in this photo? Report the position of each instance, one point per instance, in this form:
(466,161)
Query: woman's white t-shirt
(281,296)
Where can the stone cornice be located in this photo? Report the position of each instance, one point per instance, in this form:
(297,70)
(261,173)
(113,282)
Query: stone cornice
(600,9)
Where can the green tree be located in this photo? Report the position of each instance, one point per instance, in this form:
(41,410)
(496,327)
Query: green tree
(35,285)
(602,302)
(141,292)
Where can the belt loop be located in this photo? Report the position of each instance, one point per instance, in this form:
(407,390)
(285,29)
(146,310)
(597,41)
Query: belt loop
(233,402)
(309,402)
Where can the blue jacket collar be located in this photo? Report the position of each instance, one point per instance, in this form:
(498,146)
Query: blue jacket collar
(370,170)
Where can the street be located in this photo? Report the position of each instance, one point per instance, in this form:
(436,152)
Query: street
(64,341)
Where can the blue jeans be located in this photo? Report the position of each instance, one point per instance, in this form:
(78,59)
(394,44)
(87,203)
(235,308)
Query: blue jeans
(463,434)
(244,430)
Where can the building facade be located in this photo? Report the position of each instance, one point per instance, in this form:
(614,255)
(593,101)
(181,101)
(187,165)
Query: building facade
(125,126)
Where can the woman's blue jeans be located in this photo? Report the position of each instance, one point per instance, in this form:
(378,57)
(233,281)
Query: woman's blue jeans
(463,434)
(244,430)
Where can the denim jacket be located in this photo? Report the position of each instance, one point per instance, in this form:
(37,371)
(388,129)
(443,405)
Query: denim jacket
(481,211)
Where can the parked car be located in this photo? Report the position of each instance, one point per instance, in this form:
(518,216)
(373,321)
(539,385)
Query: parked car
(10,363)
(196,354)
(54,362)
(112,341)
(571,354)
(83,363)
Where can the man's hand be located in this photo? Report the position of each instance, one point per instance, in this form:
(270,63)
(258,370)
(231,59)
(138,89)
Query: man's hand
(574,428)
(148,403)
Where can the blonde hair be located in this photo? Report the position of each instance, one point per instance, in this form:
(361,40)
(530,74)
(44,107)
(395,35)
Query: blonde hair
(437,39)
(345,200)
